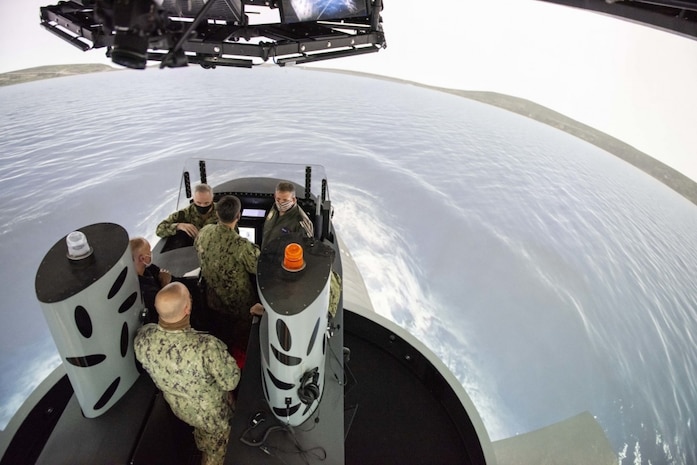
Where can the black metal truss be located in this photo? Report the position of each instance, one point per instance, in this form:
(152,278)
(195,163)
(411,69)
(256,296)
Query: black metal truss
(216,42)
(677,16)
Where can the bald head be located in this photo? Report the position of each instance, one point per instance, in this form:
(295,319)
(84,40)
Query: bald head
(173,302)
(139,245)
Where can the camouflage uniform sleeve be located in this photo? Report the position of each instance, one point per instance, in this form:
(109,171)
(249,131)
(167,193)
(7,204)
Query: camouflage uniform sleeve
(168,226)
(221,365)
(334,293)
(208,243)
(140,343)
(197,243)
(186,215)
(249,256)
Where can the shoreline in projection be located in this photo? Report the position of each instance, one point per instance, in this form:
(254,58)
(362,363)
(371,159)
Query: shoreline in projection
(672,178)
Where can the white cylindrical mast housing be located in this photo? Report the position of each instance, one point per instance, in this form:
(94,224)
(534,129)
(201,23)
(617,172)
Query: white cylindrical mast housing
(88,290)
(295,295)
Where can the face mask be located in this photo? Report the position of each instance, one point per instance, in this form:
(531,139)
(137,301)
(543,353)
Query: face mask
(202,210)
(149,262)
(284,206)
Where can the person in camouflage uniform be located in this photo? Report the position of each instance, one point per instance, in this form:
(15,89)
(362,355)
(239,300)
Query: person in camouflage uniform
(228,262)
(192,369)
(285,215)
(191,219)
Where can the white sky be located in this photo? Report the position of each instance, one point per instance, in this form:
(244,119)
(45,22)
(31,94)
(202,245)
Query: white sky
(633,82)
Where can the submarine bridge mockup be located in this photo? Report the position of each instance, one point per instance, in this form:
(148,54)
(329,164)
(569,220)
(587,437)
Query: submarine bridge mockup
(316,387)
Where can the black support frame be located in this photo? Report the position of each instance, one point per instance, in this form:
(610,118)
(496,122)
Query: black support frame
(228,43)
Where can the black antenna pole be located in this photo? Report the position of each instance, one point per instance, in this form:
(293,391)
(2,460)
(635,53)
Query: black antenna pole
(202,169)
(324,212)
(187,184)
(308,181)
(375,17)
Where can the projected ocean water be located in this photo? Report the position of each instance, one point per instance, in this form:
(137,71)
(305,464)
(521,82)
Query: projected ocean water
(550,276)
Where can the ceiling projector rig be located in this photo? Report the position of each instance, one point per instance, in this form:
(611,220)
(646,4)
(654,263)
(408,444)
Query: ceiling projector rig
(240,33)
